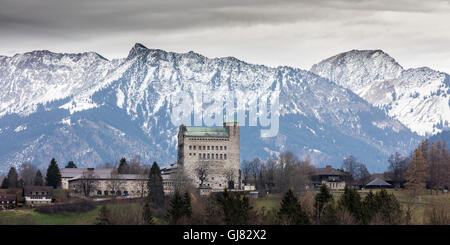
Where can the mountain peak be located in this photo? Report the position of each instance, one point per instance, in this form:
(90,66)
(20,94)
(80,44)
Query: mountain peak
(357,69)
(137,49)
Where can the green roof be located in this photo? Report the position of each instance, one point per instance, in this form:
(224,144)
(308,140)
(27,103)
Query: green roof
(206,131)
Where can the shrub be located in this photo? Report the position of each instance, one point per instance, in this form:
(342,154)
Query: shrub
(79,207)
(438,213)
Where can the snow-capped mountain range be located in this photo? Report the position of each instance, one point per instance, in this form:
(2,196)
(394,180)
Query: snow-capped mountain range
(91,110)
(419,97)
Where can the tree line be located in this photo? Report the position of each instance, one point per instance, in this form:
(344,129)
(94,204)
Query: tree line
(29,175)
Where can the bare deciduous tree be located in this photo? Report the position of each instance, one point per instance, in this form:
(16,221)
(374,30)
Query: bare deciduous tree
(181,182)
(201,171)
(115,182)
(230,176)
(27,173)
(89,182)
(292,173)
(397,168)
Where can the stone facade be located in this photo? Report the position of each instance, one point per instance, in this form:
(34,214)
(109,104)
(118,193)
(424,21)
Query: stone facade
(106,184)
(213,149)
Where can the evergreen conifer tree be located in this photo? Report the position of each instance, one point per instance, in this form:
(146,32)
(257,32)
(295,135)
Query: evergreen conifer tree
(323,197)
(388,208)
(177,208)
(155,185)
(370,207)
(291,212)
(38,180)
(53,177)
(187,207)
(147,215)
(4,183)
(123,168)
(235,209)
(71,164)
(104,217)
(351,201)
(13,178)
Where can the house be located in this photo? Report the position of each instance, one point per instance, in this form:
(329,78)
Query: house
(7,201)
(37,195)
(378,183)
(334,179)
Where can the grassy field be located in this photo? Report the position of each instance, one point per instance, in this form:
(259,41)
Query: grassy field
(29,216)
(418,206)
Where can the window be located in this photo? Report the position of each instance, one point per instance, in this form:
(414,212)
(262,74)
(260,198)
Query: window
(200,156)
(217,148)
(217,156)
(99,192)
(204,155)
(208,155)
(190,154)
(220,156)
(225,156)
(194,153)
(212,156)
(208,147)
(194,147)
(221,148)
(204,147)
(225,147)
(190,147)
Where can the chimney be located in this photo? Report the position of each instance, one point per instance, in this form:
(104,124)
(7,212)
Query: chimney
(328,166)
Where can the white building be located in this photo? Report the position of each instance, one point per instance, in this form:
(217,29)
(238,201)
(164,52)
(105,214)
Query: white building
(38,195)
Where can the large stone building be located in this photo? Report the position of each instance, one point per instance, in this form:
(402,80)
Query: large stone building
(70,173)
(214,151)
(106,183)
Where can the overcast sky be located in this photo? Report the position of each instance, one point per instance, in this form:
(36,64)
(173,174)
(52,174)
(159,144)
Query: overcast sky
(284,32)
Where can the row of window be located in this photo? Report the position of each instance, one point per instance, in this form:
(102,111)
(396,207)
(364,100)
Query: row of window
(38,193)
(211,139)
(7,202)
(210,156)
(38,197)
(118,193)
(207,147)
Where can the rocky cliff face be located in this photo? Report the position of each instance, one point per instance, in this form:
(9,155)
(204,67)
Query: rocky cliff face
(85,108)
(419,98)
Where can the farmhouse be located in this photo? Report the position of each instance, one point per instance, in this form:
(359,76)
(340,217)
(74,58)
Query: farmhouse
(70,173)
(38,195)
(334,179)
(7,201)
(107,183)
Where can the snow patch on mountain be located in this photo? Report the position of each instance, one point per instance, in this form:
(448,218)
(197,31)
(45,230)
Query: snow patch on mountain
(419,98)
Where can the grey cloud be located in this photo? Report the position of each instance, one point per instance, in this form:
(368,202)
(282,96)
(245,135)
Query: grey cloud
(90,16)
(307,27)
